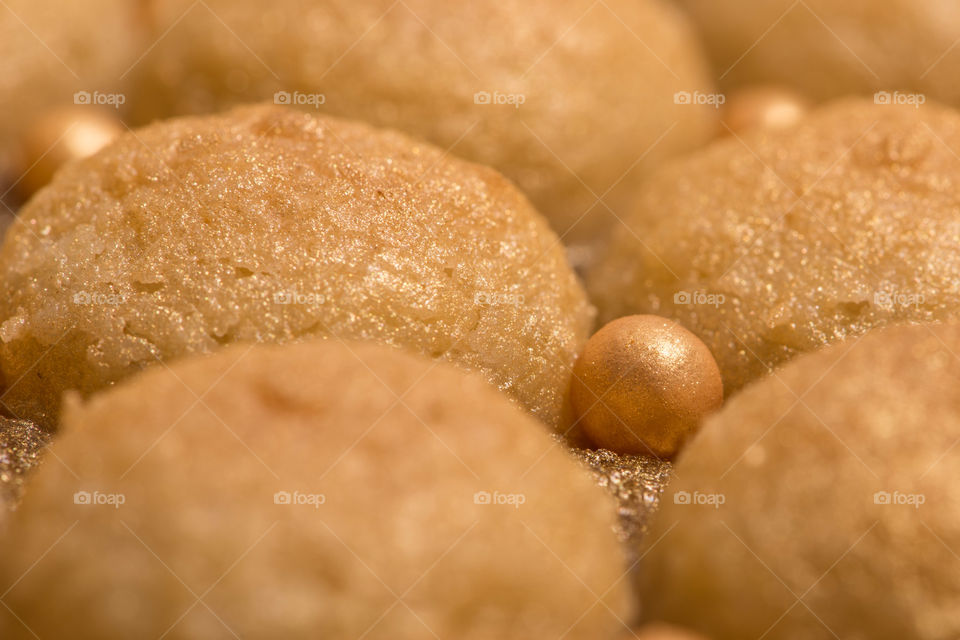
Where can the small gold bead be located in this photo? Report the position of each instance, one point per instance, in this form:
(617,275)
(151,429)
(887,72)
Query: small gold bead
(660,631)
(766,107)
(59,136)
(643,384)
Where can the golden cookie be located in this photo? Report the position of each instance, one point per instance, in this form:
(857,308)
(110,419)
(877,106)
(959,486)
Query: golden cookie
(318,490)
(267,224)
(780,242)
(834,483)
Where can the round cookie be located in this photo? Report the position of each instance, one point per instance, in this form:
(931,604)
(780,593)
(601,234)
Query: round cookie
(268,224)
(821,503)
(51,51)
(779,242)
(317,490)
(573,101)
(829,49)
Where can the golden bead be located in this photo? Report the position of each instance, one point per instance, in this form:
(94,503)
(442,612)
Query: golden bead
(766,107)
(59,136)
(643,384)
(660,631)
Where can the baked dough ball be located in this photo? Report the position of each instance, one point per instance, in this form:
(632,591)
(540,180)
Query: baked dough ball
(777,243)
(298,498)
(567,99)
(829,49)
(50,50)
(269,224)
(845,498)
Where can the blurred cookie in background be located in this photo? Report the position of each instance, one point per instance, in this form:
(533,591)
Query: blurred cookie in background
(573,101)
(827,49)
(59,54)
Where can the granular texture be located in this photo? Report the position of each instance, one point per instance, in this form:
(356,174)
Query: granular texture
(821,503)
(829,49)
(268,224)
(773,244)
(21,444)
(316,490)
(571,100)
(636,481)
